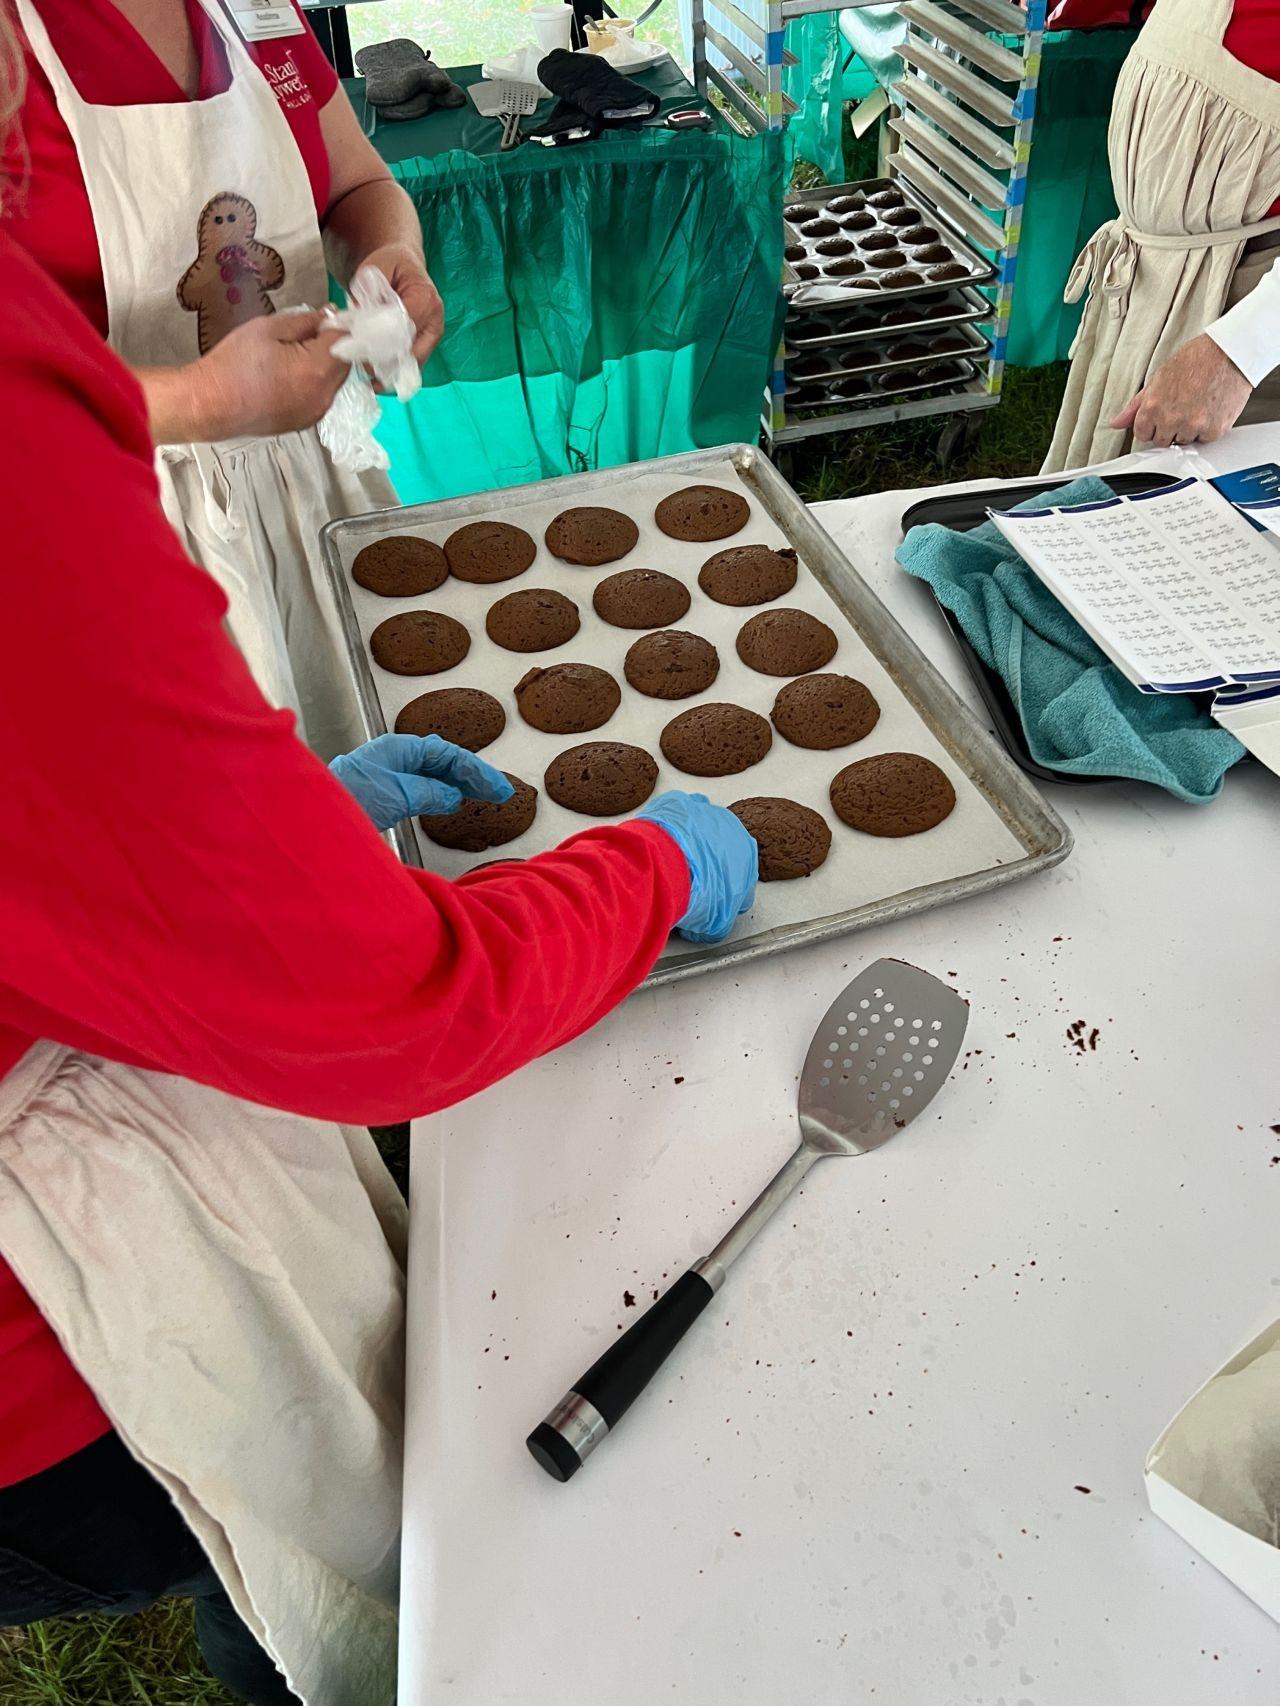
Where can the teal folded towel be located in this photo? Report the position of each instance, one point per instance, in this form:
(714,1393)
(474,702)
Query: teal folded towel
(1079,712)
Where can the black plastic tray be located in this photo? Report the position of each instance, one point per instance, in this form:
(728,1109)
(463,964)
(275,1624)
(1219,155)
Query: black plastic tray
(963,511)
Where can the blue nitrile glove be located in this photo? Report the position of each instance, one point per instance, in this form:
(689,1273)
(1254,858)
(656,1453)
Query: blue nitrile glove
(723,862)
(399,776)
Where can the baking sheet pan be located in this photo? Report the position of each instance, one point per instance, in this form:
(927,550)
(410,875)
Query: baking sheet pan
(819,329)
(1001,828)
(869,286)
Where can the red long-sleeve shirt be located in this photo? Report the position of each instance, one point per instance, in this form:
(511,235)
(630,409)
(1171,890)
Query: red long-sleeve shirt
(182,885)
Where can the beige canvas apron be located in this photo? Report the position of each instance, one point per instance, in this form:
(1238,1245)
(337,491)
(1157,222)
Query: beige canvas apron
(212,196)
(1195,160)
(229,1282)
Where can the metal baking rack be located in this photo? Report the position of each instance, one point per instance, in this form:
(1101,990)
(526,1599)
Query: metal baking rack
(961,125)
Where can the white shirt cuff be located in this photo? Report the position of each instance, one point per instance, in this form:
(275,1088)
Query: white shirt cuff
(1249,333)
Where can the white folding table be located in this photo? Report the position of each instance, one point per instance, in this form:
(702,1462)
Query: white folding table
(900,1458)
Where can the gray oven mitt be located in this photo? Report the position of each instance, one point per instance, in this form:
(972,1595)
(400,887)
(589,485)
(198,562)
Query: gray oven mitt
(402,82)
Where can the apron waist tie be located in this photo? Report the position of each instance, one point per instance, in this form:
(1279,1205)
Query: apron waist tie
(1106,265)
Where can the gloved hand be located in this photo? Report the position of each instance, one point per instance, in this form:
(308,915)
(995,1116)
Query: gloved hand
(399,776)
(723,862)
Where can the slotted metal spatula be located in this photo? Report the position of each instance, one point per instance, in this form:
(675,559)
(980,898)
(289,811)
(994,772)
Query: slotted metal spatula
(882,1052)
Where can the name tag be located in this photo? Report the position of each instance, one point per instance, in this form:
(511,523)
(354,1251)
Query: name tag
(261,20)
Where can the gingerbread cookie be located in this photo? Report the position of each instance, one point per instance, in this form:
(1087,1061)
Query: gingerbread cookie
(534,620)
(601,778)
(567,698)
(671,665)
(479,824)
(820,712)
(400,567)
(897,793)
(641,598)
(226,285)
(482,552)
(715,740)
(419,642)
(588,536)
(748,574)
(792,839)
(704,513)
(464,715)
(785,642)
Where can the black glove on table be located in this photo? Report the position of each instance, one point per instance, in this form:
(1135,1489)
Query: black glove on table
(586,81)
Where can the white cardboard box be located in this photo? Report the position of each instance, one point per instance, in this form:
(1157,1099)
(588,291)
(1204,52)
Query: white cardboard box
(1253,1564)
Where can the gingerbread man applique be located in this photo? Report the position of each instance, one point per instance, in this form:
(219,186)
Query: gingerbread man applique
(227,283)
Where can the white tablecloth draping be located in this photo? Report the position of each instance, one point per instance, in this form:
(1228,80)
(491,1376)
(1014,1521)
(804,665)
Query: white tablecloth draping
(900,1458)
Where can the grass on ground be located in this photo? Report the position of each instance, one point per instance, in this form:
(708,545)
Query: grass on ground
(149,1660)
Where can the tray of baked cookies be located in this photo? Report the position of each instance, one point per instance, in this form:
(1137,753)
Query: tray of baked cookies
(681,623)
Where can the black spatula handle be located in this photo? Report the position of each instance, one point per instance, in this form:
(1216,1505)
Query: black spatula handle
(598,1401)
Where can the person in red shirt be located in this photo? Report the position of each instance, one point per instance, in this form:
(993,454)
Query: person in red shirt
(142,118)
(208,959)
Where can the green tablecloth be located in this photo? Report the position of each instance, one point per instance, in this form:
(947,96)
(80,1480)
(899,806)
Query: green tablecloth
(604,303)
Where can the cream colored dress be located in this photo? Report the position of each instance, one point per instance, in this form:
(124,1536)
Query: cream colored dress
(1195,160)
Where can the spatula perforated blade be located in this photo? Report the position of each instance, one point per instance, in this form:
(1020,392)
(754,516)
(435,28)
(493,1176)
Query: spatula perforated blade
(504,96)
(884,1049)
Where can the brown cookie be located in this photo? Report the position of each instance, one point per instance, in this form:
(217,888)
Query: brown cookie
(794,252)
(806,270)
(483,552)
(847,203)
(920,234)
(848,268)
(792,839)
(641,598)
(748,574)
(671,665)
(933,252)
(949,269)
(419,642)
(879,240)
(886,198)
(887,260)
(532,620)
(702,513)
(478,824)
(589,536)
(785,642)
(904,279)
(567,698)
(800,213)
(400,567)
(601,778)
(823,711)
(907,350)
(715,740)
(835,246)
(860,222)
(900,216)
(897,793)
(820,228)
(464,715)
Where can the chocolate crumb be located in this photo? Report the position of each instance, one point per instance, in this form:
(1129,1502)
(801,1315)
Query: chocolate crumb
(628,1301)
(492,1296)
(678,1081)
(1080,1489)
